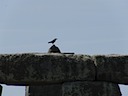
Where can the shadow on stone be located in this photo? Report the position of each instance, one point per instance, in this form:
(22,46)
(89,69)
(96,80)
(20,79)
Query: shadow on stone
(1,90)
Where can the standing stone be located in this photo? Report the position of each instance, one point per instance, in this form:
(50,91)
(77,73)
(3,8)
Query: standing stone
(54,49)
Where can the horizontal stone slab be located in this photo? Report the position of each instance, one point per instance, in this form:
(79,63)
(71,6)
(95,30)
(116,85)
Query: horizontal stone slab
(29,69)
(112,68)
(35,68)
(87,88)
(44,90)
(78,88)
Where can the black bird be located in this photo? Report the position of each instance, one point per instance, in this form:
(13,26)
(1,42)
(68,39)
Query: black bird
(53,41)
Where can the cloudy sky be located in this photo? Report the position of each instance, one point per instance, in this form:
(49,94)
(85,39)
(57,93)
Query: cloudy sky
(81,26)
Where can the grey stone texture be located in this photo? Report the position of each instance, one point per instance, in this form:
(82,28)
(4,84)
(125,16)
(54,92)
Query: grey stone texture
(112,68)
(45,90)
(78,88)
(65,74)
(36,69)
(87,88)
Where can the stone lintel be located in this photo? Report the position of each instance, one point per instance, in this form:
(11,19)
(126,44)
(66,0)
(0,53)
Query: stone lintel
(78,88)
(50,68)
(34,69)
(112,68)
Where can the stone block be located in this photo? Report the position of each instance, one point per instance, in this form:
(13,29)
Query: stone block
(112,68)
(30,69)
(78,88)
(87,88)
(44,90)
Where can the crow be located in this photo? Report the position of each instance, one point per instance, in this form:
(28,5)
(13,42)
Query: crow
(53,41)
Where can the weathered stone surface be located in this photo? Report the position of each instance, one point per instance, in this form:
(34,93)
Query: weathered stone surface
(90,89)
(78,88)
(57,68)
(45,90)
(45,68)
(113,68)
